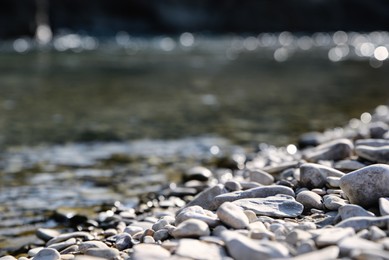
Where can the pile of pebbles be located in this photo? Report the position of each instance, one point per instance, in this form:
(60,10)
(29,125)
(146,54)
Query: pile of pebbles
(328,198)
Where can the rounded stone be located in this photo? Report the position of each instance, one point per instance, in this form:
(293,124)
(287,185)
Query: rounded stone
(261,177)
(310,200)
(191,228)
(365,186)
(198,173)
(47,254)
(232,215)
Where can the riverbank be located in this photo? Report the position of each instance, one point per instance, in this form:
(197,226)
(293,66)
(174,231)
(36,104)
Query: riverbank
(324,198)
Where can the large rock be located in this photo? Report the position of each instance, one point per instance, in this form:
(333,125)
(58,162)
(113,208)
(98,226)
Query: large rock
(365,186)
(334,151)
(314,175)
(273,206)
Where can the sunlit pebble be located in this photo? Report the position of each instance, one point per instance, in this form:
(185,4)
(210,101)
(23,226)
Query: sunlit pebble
(214,149)
(250,43)
(187,39)
(305,43)
(21,45)
(167,44)
(381,53)
(291,149)
(366,118)
(340,37)
(281,54)
(354,123)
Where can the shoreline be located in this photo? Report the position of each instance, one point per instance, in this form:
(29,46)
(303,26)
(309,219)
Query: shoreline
(272,203)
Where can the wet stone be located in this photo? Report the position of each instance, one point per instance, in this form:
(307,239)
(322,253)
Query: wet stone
(47,254)
(232,216)
(365,186)
(273,206)
(191,228)
(310,200)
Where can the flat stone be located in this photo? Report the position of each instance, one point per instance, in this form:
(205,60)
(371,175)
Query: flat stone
(330,252)
(47,254)
(62,245)
(279,167)
(46,234)
(273,206)
(243,248)
(351,210)
(149,251)
(63,237)
(374,154)
(261,177)
(351,243)
(74,249)
(334,150)
(372,142)
(232,216)
(333,236)
(314,175)
(106,253)
(191,228)
(333,202)
(384,206)
(259,192)
(365,186)
(206,198)
(310,200)
(359,223)
(197,212)
(196,249)
(348,165)
(123,241)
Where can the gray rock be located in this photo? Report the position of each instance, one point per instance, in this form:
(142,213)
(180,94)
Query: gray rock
(196,249)
(359,223)
(311,139)
(348,165)
(244,248)
(372,142)
(47,254)
(273,206)
(374,154)
(376,233)
(370,254)
(351,210)
(63,237)
(123,241)
(34,251)
(330,252)
(378,129)
(297,236)
(232,216)
(149,251)
(106,253)
(333,202)
(333,181)
(384,206)
(365,186)
(333,236)
(197,212)
(279,167)
(191,228)
(206,198)
(306,246)
(46,234)
(198,173)
(310,200)
(62,245)
(84,246)
(333,151)
(7,257)
(161,235)
(232,185)
(314,175)
(259,192)
(160,224)
(261,177)
(351,243)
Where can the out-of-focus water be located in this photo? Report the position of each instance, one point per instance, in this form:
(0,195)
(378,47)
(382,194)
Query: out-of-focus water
(171,104)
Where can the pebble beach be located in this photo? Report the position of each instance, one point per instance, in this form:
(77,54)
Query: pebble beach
(326,197)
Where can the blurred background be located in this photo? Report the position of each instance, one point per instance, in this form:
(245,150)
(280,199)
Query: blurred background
(250,72)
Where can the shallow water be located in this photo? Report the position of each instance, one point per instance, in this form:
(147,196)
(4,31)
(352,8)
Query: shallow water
(151,113)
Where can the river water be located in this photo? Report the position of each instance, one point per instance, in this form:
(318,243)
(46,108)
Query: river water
(110,118)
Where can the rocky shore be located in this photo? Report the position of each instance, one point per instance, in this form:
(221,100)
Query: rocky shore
(325,198)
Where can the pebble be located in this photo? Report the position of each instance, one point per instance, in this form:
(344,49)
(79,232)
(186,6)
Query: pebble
(198,173)
(149,251)
(314,175)
(47,254)
(330,252)
(232,216)
(191,228)
(259,192)
(334,150)
(348,165)
(306,246)
(232,185)
(197,212)
(261,177)
(365,186)
(310,200)
(62,245)
(46,234)
(333,181)
(384,206)
(359,223)
(355,243)
(375,154)
(205,198)
(370,254)
(8,257)
(123,241)
(273,206)
(333,235)
(63,237)
(132,230)
(333,202)
(297,236)
(106,253)
(161,235)
(244,248)
(196,249)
